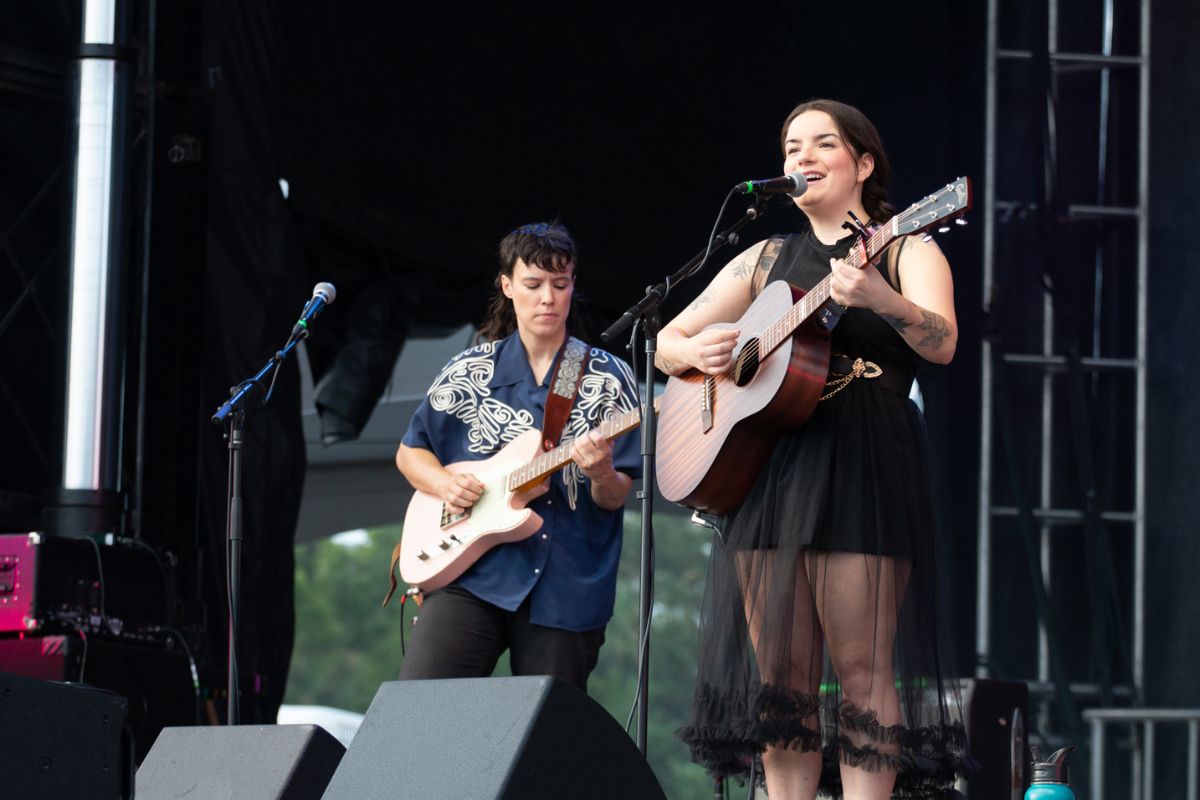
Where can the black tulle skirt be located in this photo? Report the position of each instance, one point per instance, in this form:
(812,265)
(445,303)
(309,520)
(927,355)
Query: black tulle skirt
(822,595)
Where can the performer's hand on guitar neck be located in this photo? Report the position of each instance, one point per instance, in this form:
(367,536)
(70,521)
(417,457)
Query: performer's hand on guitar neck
(710,351)
(593,453)
(852,287)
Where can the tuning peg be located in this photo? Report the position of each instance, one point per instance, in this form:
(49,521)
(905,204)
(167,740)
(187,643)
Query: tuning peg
(927,238)
(960,221)
(944,229)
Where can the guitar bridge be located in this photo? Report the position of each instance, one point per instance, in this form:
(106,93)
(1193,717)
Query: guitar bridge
(706,403)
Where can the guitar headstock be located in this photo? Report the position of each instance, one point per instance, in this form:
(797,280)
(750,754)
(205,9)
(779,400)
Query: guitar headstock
(950,202)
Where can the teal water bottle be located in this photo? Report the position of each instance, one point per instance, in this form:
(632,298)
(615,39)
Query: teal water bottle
(1049,780)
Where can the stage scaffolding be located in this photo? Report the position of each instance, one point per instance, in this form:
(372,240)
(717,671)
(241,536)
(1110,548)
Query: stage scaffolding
(1121,228)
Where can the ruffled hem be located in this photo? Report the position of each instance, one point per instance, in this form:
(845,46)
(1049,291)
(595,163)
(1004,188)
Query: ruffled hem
(928,761)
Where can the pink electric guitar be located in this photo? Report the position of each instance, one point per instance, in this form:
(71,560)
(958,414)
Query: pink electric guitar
(436,546)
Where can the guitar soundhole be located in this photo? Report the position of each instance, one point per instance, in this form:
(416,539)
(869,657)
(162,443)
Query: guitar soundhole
(745,366)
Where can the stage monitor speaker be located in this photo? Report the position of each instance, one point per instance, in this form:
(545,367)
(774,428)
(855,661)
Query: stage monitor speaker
(247,762)
(62,740)
(997,720)
(490,739)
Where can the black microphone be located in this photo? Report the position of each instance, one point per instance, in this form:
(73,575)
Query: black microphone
(323,295)
(793,183)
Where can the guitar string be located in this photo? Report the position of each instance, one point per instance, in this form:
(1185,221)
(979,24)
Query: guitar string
(546,461)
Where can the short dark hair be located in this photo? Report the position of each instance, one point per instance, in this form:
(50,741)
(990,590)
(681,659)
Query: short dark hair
(547,245)
(861,137)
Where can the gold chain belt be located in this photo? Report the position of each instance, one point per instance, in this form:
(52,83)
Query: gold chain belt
(859,369)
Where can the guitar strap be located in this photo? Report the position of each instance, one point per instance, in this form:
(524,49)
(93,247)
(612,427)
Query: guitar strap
(564,388)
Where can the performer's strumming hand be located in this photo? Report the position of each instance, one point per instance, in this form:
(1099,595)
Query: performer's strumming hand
(459,491)
(711,351)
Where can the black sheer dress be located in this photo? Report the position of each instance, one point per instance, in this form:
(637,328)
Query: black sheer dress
(829,562)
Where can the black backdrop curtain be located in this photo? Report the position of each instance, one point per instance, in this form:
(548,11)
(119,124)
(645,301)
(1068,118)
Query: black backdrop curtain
(254,287)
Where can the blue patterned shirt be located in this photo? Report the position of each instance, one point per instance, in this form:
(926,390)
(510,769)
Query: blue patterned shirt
(483,399)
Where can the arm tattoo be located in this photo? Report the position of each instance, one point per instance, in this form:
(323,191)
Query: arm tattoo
(936,330)
(667,366)
(742,267)
(700,301)
(899,323)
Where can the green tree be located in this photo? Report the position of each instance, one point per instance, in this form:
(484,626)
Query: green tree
(346,645)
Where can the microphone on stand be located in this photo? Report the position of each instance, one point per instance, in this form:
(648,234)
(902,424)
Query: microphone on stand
(323,294)
(793,184)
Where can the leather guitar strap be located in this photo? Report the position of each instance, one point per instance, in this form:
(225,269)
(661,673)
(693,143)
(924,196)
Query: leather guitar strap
(564,387)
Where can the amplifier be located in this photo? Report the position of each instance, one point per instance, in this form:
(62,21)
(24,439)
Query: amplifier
(80,582)
(996,715)
(154,676)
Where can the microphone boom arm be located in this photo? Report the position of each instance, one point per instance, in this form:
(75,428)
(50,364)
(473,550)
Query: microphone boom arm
(657,293)
(239,393)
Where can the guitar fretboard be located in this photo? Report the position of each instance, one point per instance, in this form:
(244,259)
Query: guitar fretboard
(780,330)
(551,461)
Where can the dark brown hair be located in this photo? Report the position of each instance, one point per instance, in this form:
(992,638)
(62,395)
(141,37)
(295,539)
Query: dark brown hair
(541,244)
(860,136)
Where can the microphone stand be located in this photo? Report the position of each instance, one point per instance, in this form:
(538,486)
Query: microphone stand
(646,311)
(233,412)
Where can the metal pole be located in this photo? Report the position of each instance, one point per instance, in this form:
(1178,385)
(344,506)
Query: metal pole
(1045,496)
(651,324)
(99,78)
(984,554)
(1193,762)
(1147,762)
(1097,759)
(1143,268)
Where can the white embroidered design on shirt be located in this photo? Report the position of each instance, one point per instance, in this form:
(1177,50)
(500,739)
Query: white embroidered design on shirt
(461,389)
(601,396)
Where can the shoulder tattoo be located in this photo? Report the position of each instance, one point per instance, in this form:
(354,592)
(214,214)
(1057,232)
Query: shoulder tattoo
(770,252)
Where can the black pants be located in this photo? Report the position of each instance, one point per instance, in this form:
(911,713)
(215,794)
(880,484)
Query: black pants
(457,635)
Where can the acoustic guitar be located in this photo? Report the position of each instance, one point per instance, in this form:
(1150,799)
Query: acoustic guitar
(715,433)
